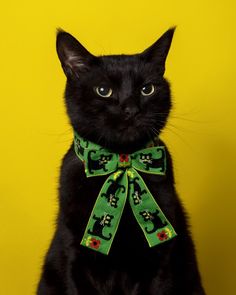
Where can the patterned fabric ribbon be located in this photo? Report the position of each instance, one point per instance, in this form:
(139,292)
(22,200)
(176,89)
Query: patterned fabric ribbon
(125,182)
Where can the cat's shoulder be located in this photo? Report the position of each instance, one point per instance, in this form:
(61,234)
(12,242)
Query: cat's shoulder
(70,162)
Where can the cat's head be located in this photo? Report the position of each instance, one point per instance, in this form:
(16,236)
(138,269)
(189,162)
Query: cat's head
(117,101)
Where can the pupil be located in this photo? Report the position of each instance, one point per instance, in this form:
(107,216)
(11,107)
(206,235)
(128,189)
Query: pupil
(147,89)
(103,90)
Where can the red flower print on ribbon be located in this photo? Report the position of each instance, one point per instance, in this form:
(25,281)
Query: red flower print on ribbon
(124,158)
(94,243)
(162,235)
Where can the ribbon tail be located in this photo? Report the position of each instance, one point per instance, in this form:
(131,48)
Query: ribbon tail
(156,227)
(106,214)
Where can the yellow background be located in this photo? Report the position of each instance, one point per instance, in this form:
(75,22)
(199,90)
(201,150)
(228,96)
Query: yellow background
(35,132)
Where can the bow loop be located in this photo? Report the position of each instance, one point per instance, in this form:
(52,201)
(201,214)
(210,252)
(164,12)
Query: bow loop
(124,161)
(99,162)
(150,160)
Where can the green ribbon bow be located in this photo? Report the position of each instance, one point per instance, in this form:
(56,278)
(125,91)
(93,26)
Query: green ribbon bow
(124,182)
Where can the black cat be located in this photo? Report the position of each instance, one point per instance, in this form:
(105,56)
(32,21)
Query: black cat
(111,192)
(152,163)
(138,192)
(155,219)
(99,224)
(98,164)
(120,102)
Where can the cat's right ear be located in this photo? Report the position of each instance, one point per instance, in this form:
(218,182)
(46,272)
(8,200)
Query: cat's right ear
(74,57)
(157,52)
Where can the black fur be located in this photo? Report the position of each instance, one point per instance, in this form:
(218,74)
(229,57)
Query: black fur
(123,122)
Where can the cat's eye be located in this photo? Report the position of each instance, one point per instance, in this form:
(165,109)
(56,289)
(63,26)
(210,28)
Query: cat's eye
(103,91)
(148,89)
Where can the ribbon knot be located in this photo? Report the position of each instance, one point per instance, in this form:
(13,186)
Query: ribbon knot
(124,161)
(123,182)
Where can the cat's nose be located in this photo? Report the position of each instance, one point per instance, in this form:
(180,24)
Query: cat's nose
(131,111)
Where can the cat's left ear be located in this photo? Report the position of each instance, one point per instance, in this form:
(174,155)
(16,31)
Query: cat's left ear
(157,52)
(74,57)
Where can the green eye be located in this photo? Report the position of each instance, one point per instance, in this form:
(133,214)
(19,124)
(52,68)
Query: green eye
(103,91)
(148,89)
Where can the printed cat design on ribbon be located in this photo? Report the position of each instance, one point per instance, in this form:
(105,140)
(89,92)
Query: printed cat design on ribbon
(99,224)
(79,147)
(155,219)
(153,163)
(138,192)
(98,164)
(110,194)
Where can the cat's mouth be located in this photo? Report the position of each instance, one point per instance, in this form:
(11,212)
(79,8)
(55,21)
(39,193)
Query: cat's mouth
(128,138)
(125,128)
(128,124)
